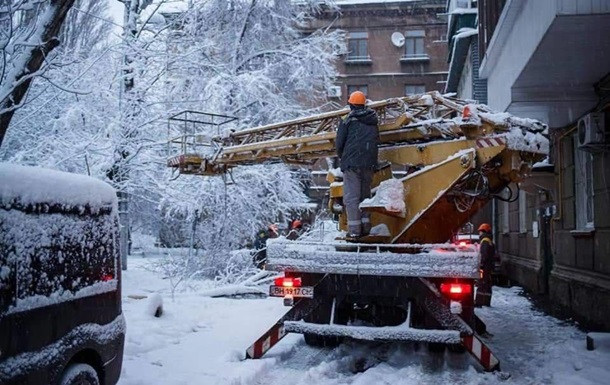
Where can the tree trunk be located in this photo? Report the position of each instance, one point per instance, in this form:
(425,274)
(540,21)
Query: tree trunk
(120,172)
(40,44)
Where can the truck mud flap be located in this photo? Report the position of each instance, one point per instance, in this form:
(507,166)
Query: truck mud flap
(441,313)
(481,353)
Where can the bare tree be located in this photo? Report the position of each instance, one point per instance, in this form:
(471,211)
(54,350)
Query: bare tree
(87,25)
(32,27)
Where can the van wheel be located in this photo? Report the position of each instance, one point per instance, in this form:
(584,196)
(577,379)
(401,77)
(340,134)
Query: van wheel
(79,374)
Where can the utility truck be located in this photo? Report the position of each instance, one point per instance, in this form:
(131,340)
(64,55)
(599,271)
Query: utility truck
(405,282)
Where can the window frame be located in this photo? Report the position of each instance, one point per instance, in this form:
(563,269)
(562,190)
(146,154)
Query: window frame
(584,191)
(358,87)
(522,212)
(423,87)
(412,38)
(358,38)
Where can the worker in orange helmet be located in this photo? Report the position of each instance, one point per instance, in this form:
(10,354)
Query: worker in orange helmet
(296,228)
(260,244)
(357,140)
(487,252)
(297,224)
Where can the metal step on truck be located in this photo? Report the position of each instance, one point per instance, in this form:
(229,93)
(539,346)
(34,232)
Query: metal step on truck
(405,282)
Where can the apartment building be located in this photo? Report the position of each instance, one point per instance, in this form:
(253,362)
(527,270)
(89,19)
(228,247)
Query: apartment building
(550,60)
(394,47)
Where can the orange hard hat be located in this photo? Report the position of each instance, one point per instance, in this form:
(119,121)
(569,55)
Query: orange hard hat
(485,227)
(358,98)
(296,224)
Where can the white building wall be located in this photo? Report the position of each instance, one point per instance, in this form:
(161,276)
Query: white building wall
(464,88)
(521,27)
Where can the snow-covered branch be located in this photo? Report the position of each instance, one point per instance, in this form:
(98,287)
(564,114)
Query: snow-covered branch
(30,58)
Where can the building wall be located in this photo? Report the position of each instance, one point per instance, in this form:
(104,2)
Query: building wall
(521,247)
(573,268)
(465,89)
(386,75)
(567,260)
(580,278)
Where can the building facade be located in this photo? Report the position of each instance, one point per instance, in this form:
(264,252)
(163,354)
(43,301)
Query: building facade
(550,60)
(394,47)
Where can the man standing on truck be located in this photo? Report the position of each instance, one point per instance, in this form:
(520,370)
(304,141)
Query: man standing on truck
(487,251)
(357,140)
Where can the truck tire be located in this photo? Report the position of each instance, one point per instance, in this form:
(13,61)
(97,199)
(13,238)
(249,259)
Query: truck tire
(79,374)
(456,348)
(436,347)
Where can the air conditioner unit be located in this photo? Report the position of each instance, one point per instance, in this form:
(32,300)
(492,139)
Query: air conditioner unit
(334,92)
(591,130)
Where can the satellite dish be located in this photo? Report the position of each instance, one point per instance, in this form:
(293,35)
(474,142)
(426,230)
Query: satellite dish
(398,39)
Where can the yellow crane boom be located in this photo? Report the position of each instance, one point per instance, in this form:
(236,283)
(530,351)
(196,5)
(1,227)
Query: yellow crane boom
(459,155)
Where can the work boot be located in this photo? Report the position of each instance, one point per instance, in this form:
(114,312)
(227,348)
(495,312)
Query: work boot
(355,231)
(366,228)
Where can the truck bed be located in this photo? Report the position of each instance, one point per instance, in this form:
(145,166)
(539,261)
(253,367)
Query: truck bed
(426,261)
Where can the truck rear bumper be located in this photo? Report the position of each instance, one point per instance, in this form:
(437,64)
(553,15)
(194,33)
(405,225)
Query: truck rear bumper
(386,333)
(432,261)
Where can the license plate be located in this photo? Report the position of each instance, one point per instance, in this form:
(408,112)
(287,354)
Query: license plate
(281,291)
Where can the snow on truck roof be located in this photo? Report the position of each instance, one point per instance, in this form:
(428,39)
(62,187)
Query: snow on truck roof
(29,185)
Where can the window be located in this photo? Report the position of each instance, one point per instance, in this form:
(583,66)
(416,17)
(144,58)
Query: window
(522,211)
(466,3)
(411,89)
(357,44)
(505,217)
(583,181)
(414,44)
(352,88)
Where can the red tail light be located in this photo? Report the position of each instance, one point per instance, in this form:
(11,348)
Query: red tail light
(463,243)
(287,282)
(107,277)
(456,289)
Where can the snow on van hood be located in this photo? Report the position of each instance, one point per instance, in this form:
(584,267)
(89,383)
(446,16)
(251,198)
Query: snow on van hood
(33,185)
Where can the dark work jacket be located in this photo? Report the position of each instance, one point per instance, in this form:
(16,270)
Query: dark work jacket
(261,239)
(357,140)
(488,252)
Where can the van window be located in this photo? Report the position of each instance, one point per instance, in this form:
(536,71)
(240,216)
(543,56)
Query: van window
(49,254)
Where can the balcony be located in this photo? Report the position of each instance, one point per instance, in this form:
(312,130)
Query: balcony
(545,57)
(417,58)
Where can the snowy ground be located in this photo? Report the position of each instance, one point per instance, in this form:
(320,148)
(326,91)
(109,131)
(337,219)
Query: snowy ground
(202,340)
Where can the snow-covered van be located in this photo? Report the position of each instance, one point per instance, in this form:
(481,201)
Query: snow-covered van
(60,301)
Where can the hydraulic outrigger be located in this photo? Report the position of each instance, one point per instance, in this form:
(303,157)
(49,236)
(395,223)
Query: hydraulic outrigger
(457,155)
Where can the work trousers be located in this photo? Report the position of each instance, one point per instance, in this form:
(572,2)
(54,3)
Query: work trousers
(356,188)
(484,289)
